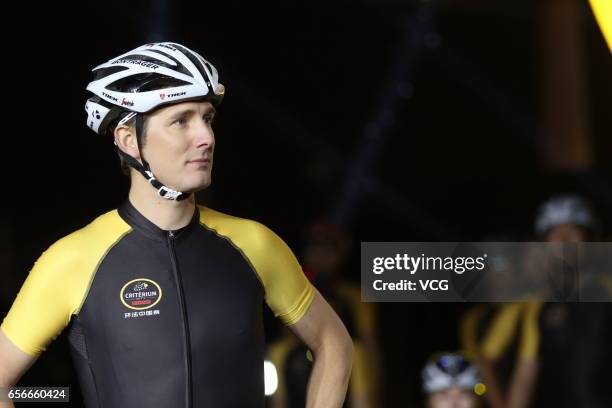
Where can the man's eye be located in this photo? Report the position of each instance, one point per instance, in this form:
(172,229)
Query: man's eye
(209,118)
(180,122)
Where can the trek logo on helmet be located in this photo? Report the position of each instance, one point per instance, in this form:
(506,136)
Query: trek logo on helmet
(174,95)
(107,96)
(152,75)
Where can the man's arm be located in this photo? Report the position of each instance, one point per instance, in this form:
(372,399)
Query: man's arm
(526,368)
(297,303)
(325,335)
(495,394)
(500,333)
(51,294)
(523,383)
(14,363)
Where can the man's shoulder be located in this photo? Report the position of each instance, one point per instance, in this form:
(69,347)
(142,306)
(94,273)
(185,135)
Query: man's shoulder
(232,226)
(69,263)
(99,234)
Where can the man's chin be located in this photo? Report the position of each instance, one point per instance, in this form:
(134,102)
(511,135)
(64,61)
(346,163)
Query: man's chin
(198,187)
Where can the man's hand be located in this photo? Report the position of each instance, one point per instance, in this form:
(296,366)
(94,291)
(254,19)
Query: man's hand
(325,335)
(13,364)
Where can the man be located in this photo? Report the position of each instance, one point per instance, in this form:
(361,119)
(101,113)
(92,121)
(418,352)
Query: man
(552,353)
(566,218)
(162,297)
(451,381)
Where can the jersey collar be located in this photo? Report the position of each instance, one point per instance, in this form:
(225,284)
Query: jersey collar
(143,225)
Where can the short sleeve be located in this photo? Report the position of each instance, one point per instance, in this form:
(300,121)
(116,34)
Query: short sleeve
(57,285)
(501,332)
(43,306)
(288,291)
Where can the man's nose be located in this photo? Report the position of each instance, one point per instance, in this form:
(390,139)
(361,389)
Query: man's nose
(204,136)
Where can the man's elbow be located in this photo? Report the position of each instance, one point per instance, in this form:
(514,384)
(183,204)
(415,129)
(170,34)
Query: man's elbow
(340,347)
(5,380)
(345,352)
(348,348)
(13,362)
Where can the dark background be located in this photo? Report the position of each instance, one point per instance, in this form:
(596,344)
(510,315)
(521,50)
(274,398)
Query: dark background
(402,120)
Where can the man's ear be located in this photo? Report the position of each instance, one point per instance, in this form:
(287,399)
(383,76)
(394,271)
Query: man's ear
(125,139)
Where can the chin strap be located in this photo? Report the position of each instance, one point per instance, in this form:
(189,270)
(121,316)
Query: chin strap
(144,168)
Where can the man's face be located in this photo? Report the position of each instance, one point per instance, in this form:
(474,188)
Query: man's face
(453,397)
(180,143)
(566,233)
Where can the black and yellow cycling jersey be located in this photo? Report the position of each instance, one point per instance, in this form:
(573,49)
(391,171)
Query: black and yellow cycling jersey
(162,318)
(518,320)
(602,9)
(502,333)
(569,341)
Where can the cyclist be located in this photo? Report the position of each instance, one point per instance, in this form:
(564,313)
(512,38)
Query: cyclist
(162,297)
(450,380)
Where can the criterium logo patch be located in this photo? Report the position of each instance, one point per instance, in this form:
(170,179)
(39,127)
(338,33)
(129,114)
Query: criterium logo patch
(140,294)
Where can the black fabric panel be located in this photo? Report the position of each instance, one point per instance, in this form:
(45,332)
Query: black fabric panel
(124,360)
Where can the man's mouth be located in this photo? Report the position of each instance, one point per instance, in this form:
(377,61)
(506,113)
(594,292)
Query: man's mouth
(201,160)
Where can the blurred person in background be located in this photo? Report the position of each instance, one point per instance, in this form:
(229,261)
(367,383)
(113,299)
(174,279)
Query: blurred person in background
(163,298)
(451,380)
(538,353)
(566,218)
(326,251)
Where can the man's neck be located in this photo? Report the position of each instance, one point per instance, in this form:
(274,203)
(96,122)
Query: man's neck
(166,214)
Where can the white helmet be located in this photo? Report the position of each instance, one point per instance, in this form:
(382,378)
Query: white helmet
(143,79)
(147,77)
(564,209)
(448,370)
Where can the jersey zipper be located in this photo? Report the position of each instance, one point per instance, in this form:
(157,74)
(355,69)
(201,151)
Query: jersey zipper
(181,296)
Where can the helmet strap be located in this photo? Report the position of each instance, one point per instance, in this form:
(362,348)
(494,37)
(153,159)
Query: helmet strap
(145,169)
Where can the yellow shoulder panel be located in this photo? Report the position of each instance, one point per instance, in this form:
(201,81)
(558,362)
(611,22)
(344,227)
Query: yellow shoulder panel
(603,13)
(288,292)
(58,283)
(468,329)
(502,331)
(530,340)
